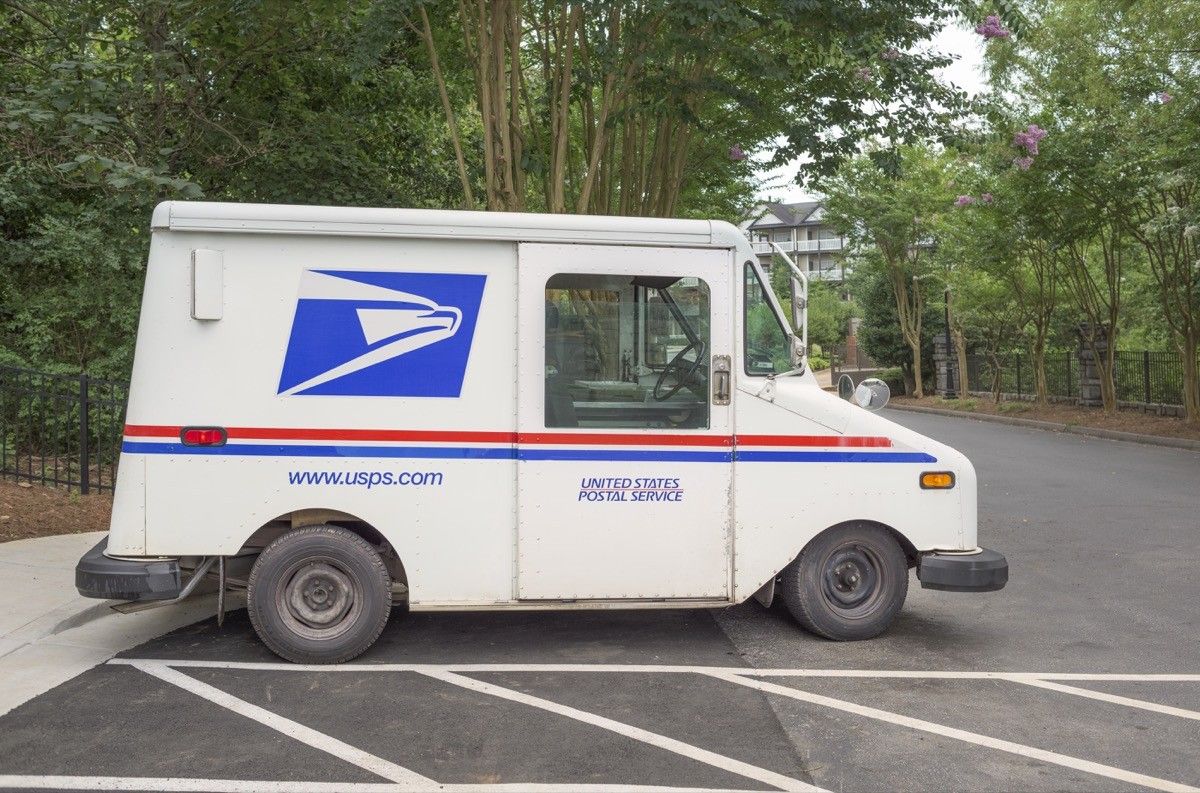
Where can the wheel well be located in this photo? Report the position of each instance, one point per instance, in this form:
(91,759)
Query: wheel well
(290,521)
(910,550)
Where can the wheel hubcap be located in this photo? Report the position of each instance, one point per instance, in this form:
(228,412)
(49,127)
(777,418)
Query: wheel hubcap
(319,595)
(851,577)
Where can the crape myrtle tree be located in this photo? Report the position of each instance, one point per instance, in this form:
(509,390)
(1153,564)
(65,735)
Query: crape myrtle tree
(637,108)
(879,335)
(893,207)
(998,234)
(617,106)
(1118,85)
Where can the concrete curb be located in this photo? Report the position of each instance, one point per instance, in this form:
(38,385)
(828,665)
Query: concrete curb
(49,634)
(1053,426)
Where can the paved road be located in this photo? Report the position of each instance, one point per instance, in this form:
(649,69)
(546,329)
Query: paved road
(1103,542)
(1102,539)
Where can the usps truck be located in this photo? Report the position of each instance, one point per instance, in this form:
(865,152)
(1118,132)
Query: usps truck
(339,410)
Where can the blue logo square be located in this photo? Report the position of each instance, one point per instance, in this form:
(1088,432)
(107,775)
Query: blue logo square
(369,333)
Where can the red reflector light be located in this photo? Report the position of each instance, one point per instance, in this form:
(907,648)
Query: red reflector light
(203,436)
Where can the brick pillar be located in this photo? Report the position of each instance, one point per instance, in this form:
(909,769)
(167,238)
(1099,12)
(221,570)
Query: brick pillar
(1089,374)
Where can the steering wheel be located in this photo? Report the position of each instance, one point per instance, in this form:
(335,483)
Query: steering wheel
(682,377)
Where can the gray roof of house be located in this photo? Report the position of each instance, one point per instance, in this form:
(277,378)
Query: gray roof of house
(776,214)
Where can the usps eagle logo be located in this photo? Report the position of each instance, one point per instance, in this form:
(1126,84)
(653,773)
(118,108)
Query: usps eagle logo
(368,333)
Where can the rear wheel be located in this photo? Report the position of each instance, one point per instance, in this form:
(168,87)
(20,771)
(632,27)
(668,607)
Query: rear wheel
(319,595)
(848,583)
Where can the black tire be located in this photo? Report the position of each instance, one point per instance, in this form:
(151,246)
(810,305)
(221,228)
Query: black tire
(319,595)
(848,583)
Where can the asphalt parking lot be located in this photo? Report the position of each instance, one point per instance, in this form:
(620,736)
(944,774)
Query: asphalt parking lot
(1083,674)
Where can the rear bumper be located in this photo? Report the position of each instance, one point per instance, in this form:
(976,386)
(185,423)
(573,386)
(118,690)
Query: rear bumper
(98,576)
(986,571)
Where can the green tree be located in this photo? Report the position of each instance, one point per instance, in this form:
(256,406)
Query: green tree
(894,211)
(620,106)
(879,334)
(108,107)
(1116,85)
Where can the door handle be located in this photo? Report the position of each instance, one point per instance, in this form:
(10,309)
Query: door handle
(720,379)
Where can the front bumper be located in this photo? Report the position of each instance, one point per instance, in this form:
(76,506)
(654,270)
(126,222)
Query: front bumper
(986,571)
(98,576)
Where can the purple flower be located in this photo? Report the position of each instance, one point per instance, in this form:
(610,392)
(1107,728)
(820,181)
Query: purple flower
(964,201)
(736,154)
(985,198)
(890,54)
(1028,140)
(865,73)
(991,28)
(1024,163)
(1164,97)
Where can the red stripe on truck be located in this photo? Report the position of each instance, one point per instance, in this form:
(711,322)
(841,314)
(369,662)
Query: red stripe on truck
(510,438)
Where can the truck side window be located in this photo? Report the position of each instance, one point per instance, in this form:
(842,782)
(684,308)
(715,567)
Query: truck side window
(627,351)
(765,339)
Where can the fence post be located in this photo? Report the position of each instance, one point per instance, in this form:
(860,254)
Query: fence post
(1146,373)
(83,434)
(1018,375)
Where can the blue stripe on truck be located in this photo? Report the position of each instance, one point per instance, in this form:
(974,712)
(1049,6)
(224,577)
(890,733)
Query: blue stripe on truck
(532,454)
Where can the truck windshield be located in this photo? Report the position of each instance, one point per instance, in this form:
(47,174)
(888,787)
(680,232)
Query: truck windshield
(765,339)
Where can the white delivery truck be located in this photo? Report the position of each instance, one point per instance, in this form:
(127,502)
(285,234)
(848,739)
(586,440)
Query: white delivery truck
(344,409)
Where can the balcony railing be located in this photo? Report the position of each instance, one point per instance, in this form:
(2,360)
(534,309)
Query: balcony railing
(800,246)
(830,274)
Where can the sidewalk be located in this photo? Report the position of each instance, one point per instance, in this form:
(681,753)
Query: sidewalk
(49,634)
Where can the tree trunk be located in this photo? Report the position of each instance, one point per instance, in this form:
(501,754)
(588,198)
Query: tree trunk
(996,379)
(1041,389)
(960,349)
(1108,383)
(1191,380)
(917,377)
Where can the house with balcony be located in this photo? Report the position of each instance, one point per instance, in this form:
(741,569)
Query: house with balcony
(800,230)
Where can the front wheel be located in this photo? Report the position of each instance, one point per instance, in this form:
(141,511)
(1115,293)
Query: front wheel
(848,583)
(319,595)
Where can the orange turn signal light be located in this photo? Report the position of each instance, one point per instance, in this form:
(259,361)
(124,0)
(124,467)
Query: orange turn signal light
(937,480)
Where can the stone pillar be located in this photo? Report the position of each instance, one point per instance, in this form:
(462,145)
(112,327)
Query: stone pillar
(1089,374)
(942,354)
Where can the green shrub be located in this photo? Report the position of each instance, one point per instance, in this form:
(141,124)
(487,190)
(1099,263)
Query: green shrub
(894,377)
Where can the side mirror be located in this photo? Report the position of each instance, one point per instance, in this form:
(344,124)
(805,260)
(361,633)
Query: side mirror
(872,394)
(846,387)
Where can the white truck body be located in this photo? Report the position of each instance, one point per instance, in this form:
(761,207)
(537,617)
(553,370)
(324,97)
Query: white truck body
(389,369)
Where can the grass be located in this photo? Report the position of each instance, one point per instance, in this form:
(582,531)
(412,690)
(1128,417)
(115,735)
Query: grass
(969,404)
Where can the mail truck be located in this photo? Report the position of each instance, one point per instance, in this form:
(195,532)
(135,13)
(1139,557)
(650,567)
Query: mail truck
(340,410)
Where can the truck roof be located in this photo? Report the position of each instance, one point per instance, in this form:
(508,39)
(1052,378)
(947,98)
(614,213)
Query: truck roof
(212,216)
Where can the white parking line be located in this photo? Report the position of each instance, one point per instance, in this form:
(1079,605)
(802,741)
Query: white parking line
(183,785)
(317,740)
(672,669)
(629,731)
(1078,764)
(1103,696)
(453,674)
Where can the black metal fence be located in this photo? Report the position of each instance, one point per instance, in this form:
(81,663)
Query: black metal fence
(1141,376)
(62,430)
